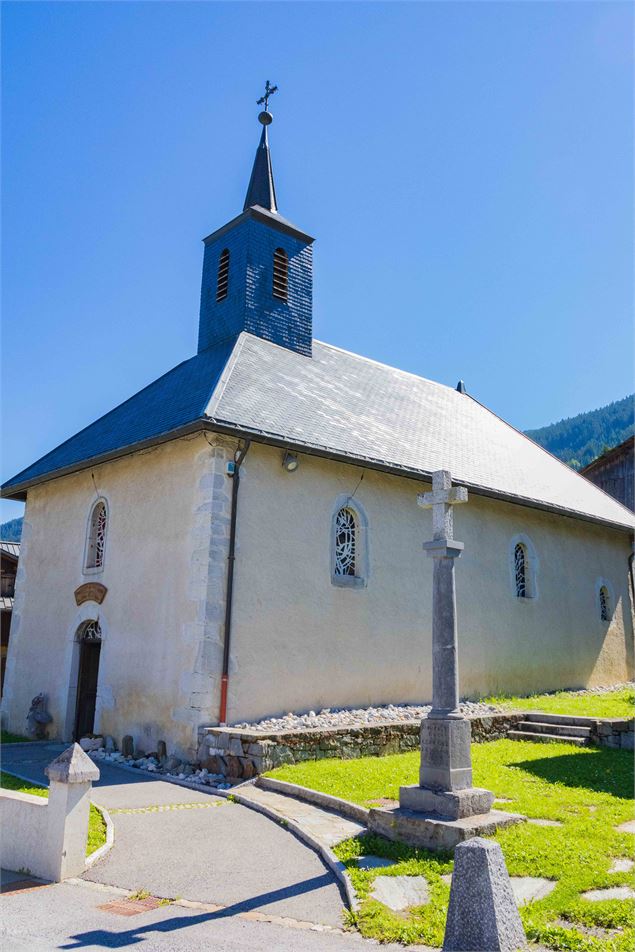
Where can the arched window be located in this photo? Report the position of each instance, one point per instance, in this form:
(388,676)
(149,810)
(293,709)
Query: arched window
(520,570)
(523,567)
(605,603)
(96,542)
(349,543)
(345,543)
(222,282)
(280,274)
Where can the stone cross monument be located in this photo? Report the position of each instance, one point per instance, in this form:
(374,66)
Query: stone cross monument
(445,776)
(444,808)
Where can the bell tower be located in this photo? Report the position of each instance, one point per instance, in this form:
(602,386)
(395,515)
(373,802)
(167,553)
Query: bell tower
(258,268)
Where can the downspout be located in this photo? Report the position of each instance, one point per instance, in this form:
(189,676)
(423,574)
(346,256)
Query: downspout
(630,574)
(224,681)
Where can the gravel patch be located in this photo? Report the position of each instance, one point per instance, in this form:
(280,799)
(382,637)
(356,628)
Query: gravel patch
(331,717)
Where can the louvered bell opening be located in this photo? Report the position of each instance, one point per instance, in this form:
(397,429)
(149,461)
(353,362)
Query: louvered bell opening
(222,283)
(280,274)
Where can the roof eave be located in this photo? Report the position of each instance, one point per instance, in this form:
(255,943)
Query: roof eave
(19,491)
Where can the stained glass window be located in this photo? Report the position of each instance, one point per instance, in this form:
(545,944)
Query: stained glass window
(605,614)
(97,537)
(520,570)
(345,542)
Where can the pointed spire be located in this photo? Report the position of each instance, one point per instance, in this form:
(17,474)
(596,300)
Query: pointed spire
(261,189)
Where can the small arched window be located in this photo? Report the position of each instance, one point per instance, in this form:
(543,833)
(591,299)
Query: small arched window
(345,543)
(520,570)
(280,274)
(523,567)
(222,283)
(96,543)
(604,600)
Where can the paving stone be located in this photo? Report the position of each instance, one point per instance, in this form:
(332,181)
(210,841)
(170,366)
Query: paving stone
(614,892)
(401,892)
(538,821)
(622,866)
(628,827)
(530,888)
(373,862)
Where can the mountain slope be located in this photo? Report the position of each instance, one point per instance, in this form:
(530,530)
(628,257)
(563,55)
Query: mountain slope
(579,439)
(11,531)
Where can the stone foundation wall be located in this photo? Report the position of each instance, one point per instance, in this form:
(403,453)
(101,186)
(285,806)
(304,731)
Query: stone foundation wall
(613,732)
(242,754)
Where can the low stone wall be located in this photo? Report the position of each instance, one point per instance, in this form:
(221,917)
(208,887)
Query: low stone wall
(46,837)
(614,732)
(242,754)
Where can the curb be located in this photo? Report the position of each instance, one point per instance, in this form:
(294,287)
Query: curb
(325,800)
(110,837)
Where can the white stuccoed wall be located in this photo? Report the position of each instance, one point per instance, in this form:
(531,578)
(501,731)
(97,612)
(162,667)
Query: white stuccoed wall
(298,642)
(301,643)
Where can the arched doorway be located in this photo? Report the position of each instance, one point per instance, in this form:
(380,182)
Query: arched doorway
(89,638)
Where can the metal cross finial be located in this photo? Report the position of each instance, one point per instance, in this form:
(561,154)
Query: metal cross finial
(269,91)
(441,500)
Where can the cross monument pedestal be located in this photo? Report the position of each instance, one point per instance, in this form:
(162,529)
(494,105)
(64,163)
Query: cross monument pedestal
(444,808)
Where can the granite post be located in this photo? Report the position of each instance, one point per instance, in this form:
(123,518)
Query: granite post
(482,913)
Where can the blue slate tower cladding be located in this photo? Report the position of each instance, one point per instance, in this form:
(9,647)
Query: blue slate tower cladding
(258,269)
(250,304)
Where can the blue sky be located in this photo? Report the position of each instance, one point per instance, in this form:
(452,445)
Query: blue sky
(466,169)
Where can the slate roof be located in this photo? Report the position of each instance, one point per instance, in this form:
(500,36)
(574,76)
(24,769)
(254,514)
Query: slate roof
(343,405)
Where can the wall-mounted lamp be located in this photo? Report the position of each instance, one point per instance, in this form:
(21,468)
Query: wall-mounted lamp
(290,462)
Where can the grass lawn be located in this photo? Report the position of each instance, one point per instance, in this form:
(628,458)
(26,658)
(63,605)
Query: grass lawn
(7,738)
(619,703)
(588,790)
(96,822)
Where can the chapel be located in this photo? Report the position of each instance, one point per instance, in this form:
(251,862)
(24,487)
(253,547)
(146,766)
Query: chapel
(241,538)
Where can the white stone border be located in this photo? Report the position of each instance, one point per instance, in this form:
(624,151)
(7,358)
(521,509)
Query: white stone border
(110,837)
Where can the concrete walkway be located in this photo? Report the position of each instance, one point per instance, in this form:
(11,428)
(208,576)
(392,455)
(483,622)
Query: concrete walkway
(176,842)
(327,827)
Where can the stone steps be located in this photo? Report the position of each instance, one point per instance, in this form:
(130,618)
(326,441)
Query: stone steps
(560,730)
(548,738)
(566,720)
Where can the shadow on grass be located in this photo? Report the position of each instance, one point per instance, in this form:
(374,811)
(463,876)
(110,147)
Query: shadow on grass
(605,771)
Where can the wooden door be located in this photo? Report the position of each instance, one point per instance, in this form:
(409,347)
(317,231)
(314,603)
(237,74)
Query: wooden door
(87,687)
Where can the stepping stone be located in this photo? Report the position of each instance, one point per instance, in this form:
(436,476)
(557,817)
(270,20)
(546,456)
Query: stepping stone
(502,800)
(622,866)
(530,888)
(628,827)
(615,892)
(401,892)
(540,822)
(373,862)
